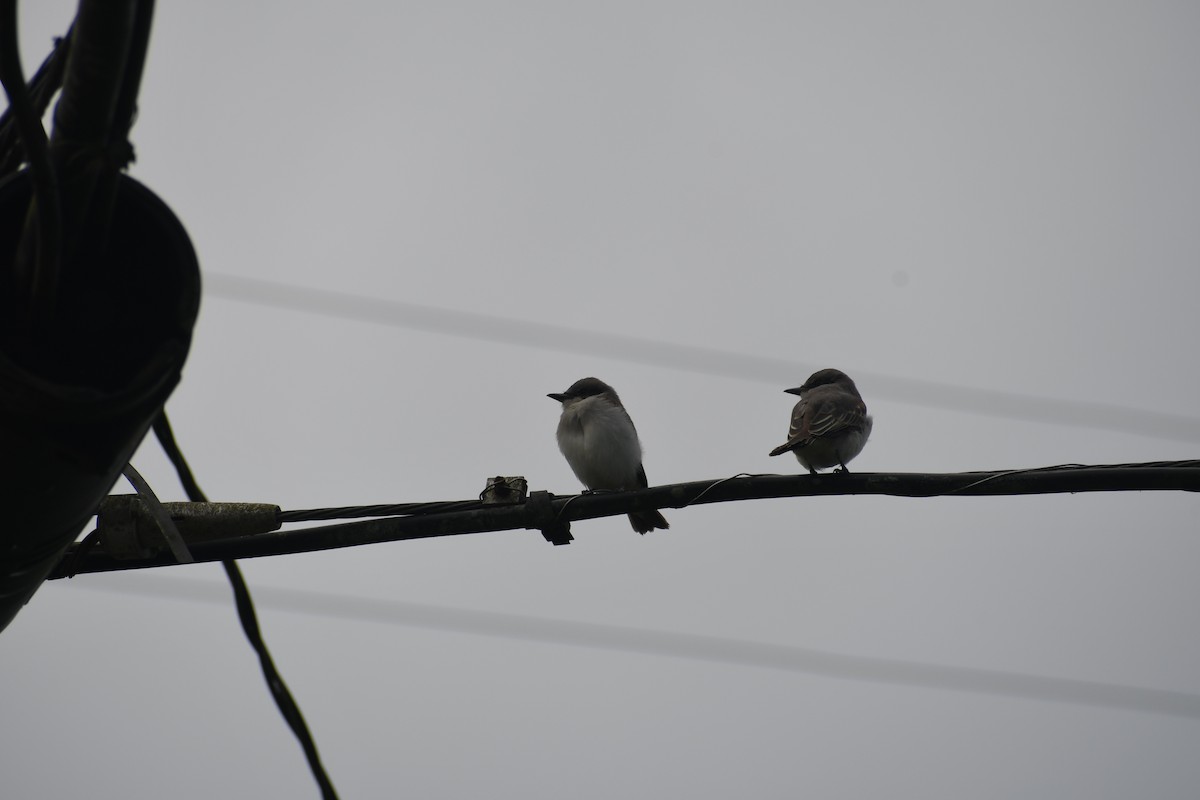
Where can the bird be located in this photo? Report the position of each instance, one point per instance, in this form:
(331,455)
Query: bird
(829,425)
(597,437)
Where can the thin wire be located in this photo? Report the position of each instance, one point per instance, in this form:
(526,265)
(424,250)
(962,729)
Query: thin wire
(688,647)
(420,509)
(279,690)
(707,361)
(998,475)
(1184,464)
(563,508)
(390,510)
(717,483)
(245,608)
(166,440)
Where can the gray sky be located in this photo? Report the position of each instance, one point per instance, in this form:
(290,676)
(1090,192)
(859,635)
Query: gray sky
(1000,196)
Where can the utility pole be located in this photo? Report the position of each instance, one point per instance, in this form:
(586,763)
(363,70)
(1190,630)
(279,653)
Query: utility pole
(99,291)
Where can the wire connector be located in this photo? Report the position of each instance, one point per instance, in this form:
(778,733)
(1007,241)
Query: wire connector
(510,491)
(504,491)
(128,529)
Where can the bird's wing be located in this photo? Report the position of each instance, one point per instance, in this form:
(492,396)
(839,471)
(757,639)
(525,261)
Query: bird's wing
(621,408)
(833,414)
(798,431)
(641,477)
(822,414)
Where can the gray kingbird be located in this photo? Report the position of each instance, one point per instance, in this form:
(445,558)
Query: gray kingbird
(830,424)
(598,439)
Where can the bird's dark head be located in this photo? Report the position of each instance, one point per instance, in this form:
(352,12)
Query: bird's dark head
(583,389)
(825,377)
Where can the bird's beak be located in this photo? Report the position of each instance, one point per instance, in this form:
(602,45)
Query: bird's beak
(797,390)
(556,396)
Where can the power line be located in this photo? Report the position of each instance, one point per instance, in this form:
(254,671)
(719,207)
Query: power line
(552,515)
(245,607)
(382,510)
(691,647)
(703,360)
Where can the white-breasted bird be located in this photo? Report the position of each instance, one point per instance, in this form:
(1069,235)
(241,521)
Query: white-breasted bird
(830,424)
(598,439)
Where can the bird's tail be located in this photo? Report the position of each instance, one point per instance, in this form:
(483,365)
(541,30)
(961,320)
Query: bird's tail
(646,521)
(783,448)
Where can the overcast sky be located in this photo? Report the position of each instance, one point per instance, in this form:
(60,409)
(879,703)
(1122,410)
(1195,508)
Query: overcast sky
(1000,196)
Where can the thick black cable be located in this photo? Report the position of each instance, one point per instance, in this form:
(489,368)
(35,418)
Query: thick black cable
(245,608)
(444,507)
(46,81)
(135,66)
(279,690)
(43,284)
(1065,478)
(166,440)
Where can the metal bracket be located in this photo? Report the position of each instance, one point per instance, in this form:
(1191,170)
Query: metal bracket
(542,517)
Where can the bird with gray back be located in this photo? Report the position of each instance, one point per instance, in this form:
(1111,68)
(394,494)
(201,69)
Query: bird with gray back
(830,424)
(598,439)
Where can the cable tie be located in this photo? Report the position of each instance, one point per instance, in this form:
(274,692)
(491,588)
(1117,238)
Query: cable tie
(178,548)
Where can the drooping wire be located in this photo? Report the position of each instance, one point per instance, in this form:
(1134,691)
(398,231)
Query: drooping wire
(279,690)
(245,608)
(166,440)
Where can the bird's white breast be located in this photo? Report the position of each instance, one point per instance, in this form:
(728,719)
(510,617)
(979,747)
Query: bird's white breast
(600,444)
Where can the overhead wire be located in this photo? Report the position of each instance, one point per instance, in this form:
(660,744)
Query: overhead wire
(686,646)
(548,513)
(386,510)
(678,645)
(691,358)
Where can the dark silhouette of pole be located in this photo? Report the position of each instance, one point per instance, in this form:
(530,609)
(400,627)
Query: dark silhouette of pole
(99,289)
